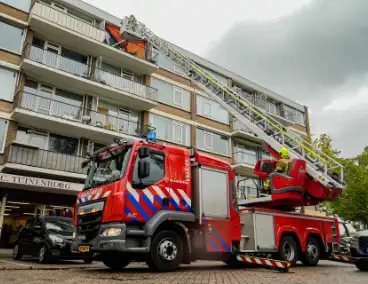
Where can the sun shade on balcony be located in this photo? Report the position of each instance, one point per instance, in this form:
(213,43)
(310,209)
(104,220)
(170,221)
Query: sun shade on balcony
(136,48)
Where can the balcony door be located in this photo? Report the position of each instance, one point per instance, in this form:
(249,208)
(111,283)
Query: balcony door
(52,55)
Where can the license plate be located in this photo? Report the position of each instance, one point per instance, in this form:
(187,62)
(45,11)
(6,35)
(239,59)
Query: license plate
(84,249)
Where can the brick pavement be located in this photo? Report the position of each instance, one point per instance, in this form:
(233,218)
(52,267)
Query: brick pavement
(199,273)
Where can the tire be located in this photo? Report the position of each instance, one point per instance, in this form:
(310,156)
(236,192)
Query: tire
(43,255)
(166,251)
(16,252)
(313,254)
(362,266)
(288,250)
(116,261)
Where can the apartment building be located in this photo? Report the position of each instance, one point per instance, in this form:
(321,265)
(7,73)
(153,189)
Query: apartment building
(69,87)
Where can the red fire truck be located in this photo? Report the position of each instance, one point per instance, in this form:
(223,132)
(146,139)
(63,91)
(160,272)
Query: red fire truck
(166,205)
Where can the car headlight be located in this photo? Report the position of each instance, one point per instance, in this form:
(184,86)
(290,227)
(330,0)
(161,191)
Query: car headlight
(56,240)
(111,232)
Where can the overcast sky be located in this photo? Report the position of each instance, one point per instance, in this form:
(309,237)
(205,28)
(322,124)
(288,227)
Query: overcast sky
(312,51)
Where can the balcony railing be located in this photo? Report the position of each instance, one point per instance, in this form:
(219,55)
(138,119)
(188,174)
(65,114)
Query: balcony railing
(81,69)
(75,24)
(35,157)
(124,84)
(55,108)
(67,21)
(246,192)
(238,126)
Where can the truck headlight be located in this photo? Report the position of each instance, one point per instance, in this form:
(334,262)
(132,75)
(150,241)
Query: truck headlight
(56,240)
(74,235)
(111,232)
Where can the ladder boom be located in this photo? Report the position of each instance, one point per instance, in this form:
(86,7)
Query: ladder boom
(321,167)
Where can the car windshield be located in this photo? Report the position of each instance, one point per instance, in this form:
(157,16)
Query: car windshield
(59,225)
(108,167)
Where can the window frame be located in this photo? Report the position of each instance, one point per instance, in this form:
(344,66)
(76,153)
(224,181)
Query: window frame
(210,134)
(136,160)
(174,125)
(24,33)
(2,149)
(17,8)
(175,91)
(16,79)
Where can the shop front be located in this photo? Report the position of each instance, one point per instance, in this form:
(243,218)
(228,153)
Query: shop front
(22,197)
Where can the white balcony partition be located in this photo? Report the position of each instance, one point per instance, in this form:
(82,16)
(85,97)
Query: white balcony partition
(67,21)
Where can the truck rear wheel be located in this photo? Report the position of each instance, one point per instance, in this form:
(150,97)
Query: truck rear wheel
(116,261)
(166,252)
(288,250)
(313,254)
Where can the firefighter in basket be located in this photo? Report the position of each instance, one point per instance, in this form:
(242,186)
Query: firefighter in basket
(282,166)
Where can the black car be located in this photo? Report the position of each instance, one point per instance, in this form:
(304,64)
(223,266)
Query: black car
(359,250)
(48,238)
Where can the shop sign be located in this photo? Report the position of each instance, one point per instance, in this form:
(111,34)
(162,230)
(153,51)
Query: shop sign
(38,182)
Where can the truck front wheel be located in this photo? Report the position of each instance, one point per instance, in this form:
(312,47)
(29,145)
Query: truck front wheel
(166,251)
(288,250)
(116,261)
(312,255)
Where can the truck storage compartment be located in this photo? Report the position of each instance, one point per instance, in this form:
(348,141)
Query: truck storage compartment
(257,232)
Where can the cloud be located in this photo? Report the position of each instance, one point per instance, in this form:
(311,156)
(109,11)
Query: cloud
(316,56)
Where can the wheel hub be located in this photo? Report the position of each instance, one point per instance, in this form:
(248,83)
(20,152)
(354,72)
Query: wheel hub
(313,251)
(167,250)
(15,251)
(42,253)
(289,251)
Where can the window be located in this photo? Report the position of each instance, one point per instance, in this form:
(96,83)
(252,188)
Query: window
(171,130)
(3,130)
(171,95)
(157,170)
(217,76)
(47,141)
(246,154)
(8,80)
(62,144)
(177,132)
(23,5)
(167,64)
(208,140)
(294,115)
(178,97)
(272,107)
(11,37)
(213,142)
(212,110)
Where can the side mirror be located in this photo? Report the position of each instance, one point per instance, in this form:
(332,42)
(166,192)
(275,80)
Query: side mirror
(144,152)
(143,169)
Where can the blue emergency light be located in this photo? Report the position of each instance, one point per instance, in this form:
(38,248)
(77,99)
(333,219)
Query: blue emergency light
(151,136)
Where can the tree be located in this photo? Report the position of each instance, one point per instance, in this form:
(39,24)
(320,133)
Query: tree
(353,203)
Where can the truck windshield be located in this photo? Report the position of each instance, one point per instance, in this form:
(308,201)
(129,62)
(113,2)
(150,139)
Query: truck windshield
(107,168)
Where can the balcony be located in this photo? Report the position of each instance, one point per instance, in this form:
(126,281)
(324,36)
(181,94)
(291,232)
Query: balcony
(44,113)
(55,24)
(79,77)
(28,158)
(240,131)
(244,162)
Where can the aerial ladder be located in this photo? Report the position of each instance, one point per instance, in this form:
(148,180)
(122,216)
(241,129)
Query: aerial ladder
(324,175)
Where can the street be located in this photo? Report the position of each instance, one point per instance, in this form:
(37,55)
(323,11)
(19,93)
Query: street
(21,272)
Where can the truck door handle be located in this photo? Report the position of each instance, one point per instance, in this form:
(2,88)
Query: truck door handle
(165,201)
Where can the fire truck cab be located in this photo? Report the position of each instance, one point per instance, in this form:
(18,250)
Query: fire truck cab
(166,205)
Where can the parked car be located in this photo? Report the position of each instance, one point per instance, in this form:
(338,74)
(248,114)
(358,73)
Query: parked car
(359,250)
(49,239)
